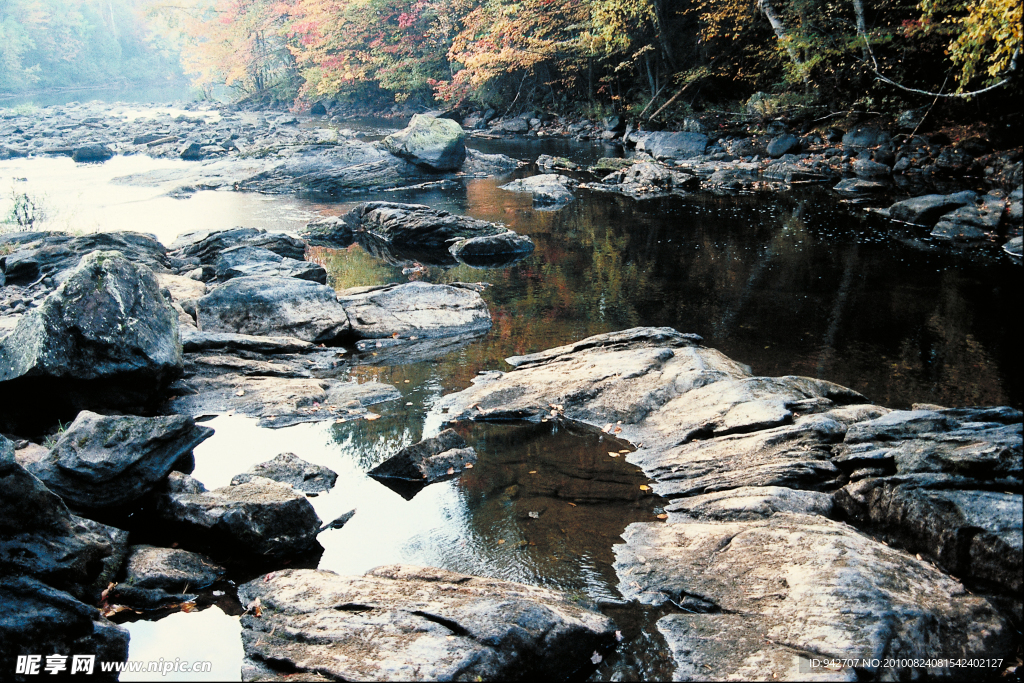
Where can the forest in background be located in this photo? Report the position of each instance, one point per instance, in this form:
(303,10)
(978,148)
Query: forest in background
(591,57)
(49,44)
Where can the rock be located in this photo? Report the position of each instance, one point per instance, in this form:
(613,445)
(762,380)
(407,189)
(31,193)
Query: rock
(40,620)
(414,309)
(549,163)
(492,250)
(243,261)
(606,164)
(92,153)
(758,595)
(41,255)
(656,177)
(1014,247)
(438,144)
(274,306)
(208,245)
(864,136)
(113,563)
(865,168)
(169,569)
(318,109)
(664,145)
(548,189)
(491,164)
(416,225)
(260,517)
(927,209)
(290,469)
(329,231)
(962,232)
(194,340)
(855,187)
(429,460)
(40,538)
(954,489)
(181,288)
(191,151)
(748,503)
(107,327)
(415,623)
(146,598)
(105,461)
(784,144)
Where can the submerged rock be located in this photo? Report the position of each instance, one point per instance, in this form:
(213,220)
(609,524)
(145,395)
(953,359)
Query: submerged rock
(104,461)
(290,469)
(414,309)
(927,209)
(429,460)
(260,517)
(438,144)
(417,225)
(274,306)
(762,597)
(414,623)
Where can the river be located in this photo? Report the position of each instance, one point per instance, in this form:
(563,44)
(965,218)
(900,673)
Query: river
(792,283)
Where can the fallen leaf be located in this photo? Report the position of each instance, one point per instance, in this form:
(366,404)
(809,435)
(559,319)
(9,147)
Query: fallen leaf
(114,609)
(371,416)
(407,381)
(572,504)
(624,451)
(533,471)
(187,607)
(500,541)
(645,487)
(267,578)
(450,637)
(663,516)
(533,514)
(451,470)
(618,636)
(607,428)
(616,430)
(613,454)
(240,392)
(394,336)
(469,465)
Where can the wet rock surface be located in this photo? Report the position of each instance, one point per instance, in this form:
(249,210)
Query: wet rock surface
(169,569)
(105,461)
(753,468)
(288,468)
(413,623)
(417,225)
(260,517)
(548,190)
(438,144)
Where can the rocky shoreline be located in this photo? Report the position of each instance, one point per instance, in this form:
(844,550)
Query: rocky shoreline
(803,521)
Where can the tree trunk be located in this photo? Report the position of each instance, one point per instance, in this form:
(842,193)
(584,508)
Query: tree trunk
(779,28)
(862,29)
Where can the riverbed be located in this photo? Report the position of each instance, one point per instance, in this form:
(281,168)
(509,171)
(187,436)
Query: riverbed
(793,283)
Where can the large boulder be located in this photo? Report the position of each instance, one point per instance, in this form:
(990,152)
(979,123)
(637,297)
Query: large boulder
(92,153)
(290,469)
(243,261)
(260,517)
(276,306)
(108,324)
(759,599)
(415,309)
(492,250)
(169,569)
(414,623)
(438,144)
(208,245)
(36,256)
(104,461)
(664,145)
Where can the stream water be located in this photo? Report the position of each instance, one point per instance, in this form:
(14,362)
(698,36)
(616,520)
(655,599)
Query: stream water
(793,283)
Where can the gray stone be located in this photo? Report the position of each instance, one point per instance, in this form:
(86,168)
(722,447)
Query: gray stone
(169,569)
(1014,247)
(414,309)
(438,144)
(416,225)
(290,469)
(547,189)
(784,144)
(274,306)
(759,596)
(103,461)
(208,245)
(242,261)
(865,168)
(444,455)
(260,517)
(855,187)
(748,503)
(476,250)
(92,153)
(664,145)
(864,136)
(927,209)
(414,623)
(194,340)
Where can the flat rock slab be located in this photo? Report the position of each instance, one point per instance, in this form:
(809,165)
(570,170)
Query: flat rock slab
(194,340)
(748,503)
(274,306)
(243,261)
(104,461)
(209,245)
(761,594)
(261,517)
(170,569)
(415,309)
(416,225)
(290,469)
(429,460)
(413,623)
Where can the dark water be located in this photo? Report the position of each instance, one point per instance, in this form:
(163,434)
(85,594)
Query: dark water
(793,283)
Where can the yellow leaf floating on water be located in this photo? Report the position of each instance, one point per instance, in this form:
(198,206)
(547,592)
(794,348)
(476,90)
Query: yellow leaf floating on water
(371,416)
(533,471)
(572,504)
(451,470)
(469,465)
(645,487)
(613,454)
(663,516)
(624,451)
